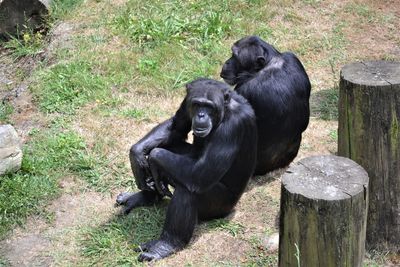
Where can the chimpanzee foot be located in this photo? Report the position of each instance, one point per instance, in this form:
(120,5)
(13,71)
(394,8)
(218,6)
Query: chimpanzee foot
(122,198)
(139,199)
(155,250)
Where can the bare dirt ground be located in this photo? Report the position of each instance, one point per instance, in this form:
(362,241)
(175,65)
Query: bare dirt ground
(54,241)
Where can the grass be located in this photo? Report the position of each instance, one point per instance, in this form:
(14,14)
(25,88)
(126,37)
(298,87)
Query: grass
(59,9)
(153,23)
(46,159)
(6,109)
(108,86)
(68,86)
(31,43)
(223,224)
(49,157)
(113,243)
(324,104)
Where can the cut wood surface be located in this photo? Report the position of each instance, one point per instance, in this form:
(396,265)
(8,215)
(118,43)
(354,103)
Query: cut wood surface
(323,213)
(369,133)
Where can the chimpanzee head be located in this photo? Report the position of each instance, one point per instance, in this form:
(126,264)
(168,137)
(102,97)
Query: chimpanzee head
(206,100)
(249,56)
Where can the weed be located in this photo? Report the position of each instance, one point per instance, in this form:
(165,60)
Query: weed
(333,135)
(297,254)
(223,224)
(259,256)
(29,45)
(147,66)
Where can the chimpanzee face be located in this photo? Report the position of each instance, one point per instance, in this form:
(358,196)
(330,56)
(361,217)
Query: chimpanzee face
(205,104)
(248,57)
(202,112)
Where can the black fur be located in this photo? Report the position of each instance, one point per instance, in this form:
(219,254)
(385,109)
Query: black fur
(278,89)
(209,175)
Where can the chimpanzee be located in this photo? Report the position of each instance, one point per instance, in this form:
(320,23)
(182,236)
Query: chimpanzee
(277,87)
(209,176)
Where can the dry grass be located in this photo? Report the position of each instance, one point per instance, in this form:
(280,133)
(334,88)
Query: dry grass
(325,34)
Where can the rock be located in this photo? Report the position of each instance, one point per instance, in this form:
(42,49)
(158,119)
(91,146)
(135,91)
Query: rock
(271,243)
(18,15)
(10,151)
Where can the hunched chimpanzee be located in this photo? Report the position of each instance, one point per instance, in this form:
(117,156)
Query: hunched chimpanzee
(277,87)
(209,176)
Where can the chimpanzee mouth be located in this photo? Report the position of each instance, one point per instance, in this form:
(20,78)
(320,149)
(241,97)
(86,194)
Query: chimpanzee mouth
(201,132)
(229,80)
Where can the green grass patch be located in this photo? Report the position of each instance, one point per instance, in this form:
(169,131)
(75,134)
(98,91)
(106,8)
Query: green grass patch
(113,243)
(6,109)
(150,23)
(258,256)
(324,104)
(134,113)
(46,158)
(176,41)
(68,86)
(232,228)
(4,262)
(59,9)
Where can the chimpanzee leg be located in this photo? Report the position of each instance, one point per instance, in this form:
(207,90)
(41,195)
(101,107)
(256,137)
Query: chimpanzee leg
(217,202)
(178,228)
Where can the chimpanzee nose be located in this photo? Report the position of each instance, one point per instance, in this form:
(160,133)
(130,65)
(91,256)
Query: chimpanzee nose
(201,115)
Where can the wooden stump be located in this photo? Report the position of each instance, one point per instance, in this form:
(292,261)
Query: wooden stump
(19,15)
(369,133)
(323,213)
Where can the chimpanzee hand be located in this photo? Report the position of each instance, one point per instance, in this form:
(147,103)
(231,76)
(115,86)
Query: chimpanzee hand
(160,181)
(141,169)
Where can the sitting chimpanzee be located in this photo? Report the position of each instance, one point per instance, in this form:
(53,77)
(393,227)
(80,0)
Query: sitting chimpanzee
(209,175)
(277,87)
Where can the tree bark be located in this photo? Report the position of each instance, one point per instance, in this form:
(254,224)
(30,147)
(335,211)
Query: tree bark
(323,213)
(19,15)
(369,133)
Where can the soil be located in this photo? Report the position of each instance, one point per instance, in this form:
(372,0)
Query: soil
(35,243)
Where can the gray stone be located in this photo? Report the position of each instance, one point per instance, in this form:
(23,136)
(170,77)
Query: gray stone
(271,243)
(10,151)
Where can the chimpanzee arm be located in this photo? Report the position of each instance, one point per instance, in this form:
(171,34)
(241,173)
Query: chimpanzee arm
(198,175)
(165,134)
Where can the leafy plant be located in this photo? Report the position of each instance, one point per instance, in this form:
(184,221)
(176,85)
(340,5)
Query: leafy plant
(30,44)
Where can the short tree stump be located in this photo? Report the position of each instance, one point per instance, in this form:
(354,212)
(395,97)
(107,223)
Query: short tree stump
(324,202)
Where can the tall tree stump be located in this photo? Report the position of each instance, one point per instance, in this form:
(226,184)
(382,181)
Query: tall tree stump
(16,15)
(323,217)
(369,133)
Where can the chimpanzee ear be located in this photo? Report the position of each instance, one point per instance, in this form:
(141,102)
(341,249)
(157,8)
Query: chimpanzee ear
(188,87)
(260,62)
